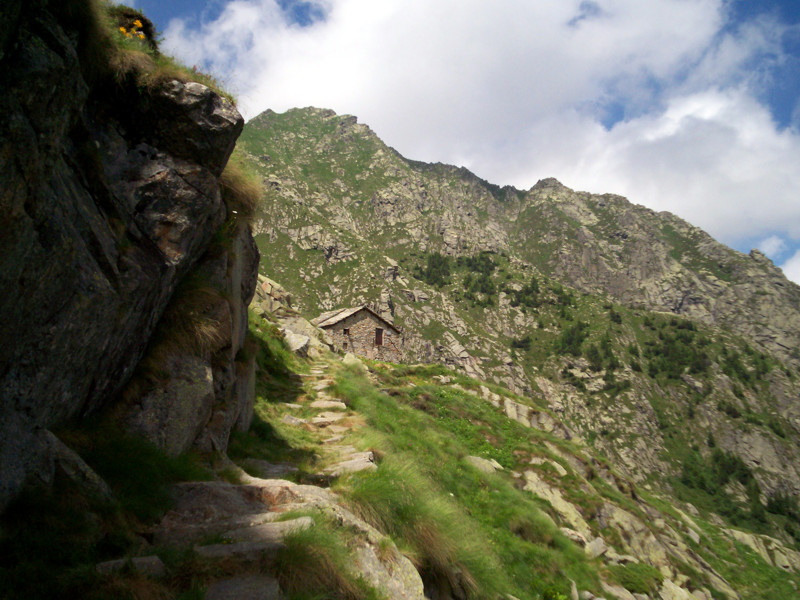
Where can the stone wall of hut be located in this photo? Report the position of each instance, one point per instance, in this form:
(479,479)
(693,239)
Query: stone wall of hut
(358,334)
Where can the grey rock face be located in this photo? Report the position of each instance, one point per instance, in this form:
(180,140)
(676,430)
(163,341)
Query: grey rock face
(192,121)
(171,416)
(100,217)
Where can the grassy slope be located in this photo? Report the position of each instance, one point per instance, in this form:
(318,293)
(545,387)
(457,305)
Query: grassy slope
(480,530)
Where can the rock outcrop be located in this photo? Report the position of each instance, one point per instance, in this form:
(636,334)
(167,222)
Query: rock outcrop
(110,199)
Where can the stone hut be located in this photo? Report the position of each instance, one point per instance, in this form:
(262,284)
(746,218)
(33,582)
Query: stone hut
(363,332)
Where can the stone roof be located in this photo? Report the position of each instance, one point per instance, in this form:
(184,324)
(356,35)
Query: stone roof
(332,317)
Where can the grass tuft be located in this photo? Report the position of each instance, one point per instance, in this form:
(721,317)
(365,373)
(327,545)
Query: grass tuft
(241,188)
(106,54)
(471,535)
(190,323)
(315,563)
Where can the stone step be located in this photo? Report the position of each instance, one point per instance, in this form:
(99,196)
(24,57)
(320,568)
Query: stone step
(251,543)
(152,566)
(361,461)
(326,418)
(246,587)
(269,532)
(338,429)
(268,470)
(292,420)
(243,551)
(332,404)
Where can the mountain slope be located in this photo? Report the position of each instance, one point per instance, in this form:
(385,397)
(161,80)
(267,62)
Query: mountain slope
(364,194)
(655,344)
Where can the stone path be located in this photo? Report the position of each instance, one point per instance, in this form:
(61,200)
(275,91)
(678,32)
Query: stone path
(244,525)
(334,422)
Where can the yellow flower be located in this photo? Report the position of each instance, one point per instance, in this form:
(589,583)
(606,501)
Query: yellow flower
(138,23)
(141,35)
(122,29)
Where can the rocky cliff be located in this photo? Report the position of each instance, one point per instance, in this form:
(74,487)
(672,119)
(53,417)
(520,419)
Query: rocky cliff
(110,203)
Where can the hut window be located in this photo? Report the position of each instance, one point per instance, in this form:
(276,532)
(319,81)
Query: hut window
(378,336)
(346,331)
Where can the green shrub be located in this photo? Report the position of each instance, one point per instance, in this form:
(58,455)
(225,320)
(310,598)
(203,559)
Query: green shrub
(776,427)
(572,338)
(782,503)
(523,343)
(436,271)
(482,263)
(594,357)
(528,296)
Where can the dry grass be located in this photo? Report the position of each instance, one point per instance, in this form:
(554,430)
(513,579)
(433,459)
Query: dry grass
(167,68)
(129,63)
(106,55)
(241,189)
(190,323)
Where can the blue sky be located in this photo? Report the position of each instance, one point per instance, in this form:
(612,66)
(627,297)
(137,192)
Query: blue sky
(690,106)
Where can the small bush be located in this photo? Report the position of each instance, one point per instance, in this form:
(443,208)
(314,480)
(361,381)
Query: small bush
(594,357)
(782,503)
(523,343)
(776,427)
(528,296)
(572,338)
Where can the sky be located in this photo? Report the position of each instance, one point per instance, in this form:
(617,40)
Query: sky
(689,106)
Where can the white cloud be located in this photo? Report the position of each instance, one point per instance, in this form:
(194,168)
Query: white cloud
(714,158)
(516,91)
(791,268)
(773,246)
